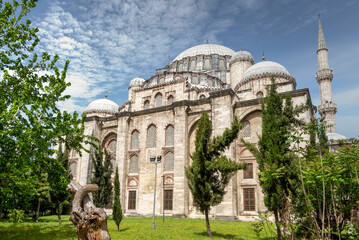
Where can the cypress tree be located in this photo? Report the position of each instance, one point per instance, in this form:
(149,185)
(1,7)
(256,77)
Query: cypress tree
(116,208)
(278,169)
(211,171)
(102,177)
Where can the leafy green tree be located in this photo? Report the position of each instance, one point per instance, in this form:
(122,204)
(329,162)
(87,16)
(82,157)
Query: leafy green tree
(30,121)
(116,208)
(278,175)
(211,171)
(102,177)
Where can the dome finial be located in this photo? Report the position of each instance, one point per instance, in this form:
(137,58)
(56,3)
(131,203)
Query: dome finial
(207,41)
(106,95)
(263,57)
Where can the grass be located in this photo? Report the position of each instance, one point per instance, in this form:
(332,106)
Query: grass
(130,228)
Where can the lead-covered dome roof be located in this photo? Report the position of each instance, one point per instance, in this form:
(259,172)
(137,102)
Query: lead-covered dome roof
(335,136)
(242,56)
(137,82)
(265,68)
(205,49)
(102,106)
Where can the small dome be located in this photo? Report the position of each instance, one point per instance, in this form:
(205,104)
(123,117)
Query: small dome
(335,136)
(265,68)
(137,82)
(102,106)
(242,56)
(205,49)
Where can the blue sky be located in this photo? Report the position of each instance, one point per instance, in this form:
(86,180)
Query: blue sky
(111,42)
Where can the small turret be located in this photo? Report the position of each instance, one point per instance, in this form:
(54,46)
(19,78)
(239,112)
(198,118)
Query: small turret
(238,64)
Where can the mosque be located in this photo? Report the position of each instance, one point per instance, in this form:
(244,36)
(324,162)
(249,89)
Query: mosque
(160,118)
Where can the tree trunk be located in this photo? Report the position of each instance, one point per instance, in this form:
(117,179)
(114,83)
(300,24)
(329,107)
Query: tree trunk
(37,211)
(0,212)
(279,232)
(207,224)
(59,213)
(90,222)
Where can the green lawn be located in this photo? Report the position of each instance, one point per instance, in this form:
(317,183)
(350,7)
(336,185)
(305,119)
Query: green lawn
(130,228)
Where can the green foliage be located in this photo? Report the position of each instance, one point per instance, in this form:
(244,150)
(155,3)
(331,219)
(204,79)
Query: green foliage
(211,171)
(339,172)
(16,215)
(30,121)
(278,174)
(263,227)
(116,208)
(102,177)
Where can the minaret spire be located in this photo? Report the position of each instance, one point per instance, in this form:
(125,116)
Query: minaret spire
(327,109)
(321,39)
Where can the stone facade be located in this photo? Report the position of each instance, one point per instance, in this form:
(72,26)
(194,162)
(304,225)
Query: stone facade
(160,118)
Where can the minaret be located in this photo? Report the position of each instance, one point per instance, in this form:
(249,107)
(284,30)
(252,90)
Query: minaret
(327,109)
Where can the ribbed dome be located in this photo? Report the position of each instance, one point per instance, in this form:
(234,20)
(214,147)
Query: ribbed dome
(205,49)
(137,82)
(265,68)
(242,56)
(102,106)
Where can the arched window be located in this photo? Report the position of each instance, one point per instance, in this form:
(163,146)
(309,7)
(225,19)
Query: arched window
(195,80)
(170,135)
(202,96)
(259,94)
(246,129)
(134,139)
(133,168)
(146,105)
(221,65)
(193,65)
(207,64)
(169,161)
(170,99)
(151,136)
(158,100)
(112,145)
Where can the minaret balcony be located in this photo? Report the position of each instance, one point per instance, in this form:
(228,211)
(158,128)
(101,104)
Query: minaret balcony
(325,74)
(327,107)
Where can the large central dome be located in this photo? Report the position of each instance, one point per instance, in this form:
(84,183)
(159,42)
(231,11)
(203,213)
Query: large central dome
(205,49)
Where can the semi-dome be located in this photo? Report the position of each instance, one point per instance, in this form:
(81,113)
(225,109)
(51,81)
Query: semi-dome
(265,68)
(335,136)
(102,106)
(242,56)
(137,82)
(205,49)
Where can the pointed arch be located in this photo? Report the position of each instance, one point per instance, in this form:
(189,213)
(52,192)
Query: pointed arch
(151,136)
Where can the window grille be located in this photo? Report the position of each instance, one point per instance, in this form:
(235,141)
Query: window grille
(151,136)
(170,99)
(246,129)
(112,145)
(168,199)
(133,164)
(170,135)
(248,174)
(259,94)
(158,100)
(134,140)
(73,168)
(146,105)
(131,199)
(249,199)
(169,162)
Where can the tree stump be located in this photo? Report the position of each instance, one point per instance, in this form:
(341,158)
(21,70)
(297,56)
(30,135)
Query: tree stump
(90,222)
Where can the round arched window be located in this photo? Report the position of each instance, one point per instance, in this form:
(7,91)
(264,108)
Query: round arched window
(112,145)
